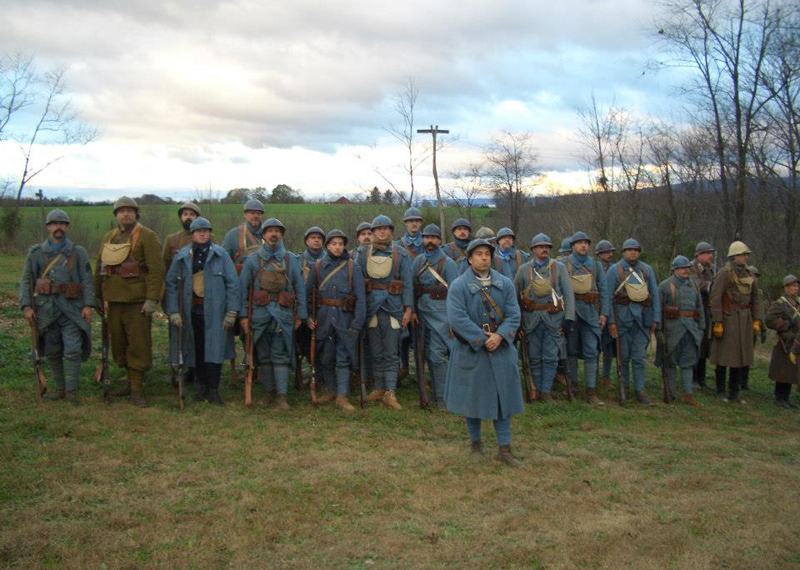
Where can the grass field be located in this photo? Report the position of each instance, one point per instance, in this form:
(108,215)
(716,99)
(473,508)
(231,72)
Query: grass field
(89,223)
(641,488)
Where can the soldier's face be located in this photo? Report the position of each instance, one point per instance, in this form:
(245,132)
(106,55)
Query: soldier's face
(253,217)
(314,242)
(631,255)
(505,242)
(706,258)
(365,237)
(541,252)
(413,226)
(741,259)
(481,258)
(126,216)
(57,230)
(461,232)
(188,215)
(201,237)
(382,233)
(606,256)
(792,289)
(272,236)
(430,243)
(336,246)
(581,247)
(682,272)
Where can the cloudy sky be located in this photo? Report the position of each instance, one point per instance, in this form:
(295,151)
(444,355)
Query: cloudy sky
(197,94)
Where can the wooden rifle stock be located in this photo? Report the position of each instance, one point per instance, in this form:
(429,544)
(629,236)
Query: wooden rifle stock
(248,352)
(530,387)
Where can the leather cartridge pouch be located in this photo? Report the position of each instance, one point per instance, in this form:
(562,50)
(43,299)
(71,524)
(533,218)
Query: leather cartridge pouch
(672,312)
(274,281)
(379,267)
(43,286)
(129,269)
(582,283)
(198,286)
(114,253)
(396,287)
(263,298)
(286,299)
(72,290)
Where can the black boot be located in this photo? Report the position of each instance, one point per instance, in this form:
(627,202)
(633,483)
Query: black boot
(719,378)
(744,377)
(735,382)
(202,392)
(213,397)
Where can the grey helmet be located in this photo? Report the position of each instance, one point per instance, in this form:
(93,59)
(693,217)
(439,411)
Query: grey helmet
(565,245)
(199,223)
(334,234)
(272,223)
(363,226)
(541,239)
(631,243)
(789,279)
(412,214)
(253,205)
(314,230)
(189,206)
(461,222)
(126,202)
(703,247)
(56,216)
(484,233)
(478,242)
(503,232)
(432,230)
(680,261)
(579,236)
(604,246)
(382,221)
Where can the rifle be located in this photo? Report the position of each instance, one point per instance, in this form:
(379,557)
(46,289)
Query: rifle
(248,352)
(664,354)
(530,387)
(37,360)
(101,374)
(312,354)
(620,384)
(181,367)
(419,363)
(362,368)
(298,364)
(567,378)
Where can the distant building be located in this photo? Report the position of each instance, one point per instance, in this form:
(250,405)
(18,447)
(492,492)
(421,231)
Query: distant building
(342,200)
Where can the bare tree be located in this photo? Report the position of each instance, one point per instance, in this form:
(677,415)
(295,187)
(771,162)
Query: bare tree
(512,173)
(468,185)
(16,93)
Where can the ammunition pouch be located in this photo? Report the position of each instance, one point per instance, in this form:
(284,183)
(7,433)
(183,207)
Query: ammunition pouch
(45,286)
(394,287)
(437,292)
(348,304)
(590,298)
(286,299)
(621,299)
(127,269)
(530,306)
(263,298)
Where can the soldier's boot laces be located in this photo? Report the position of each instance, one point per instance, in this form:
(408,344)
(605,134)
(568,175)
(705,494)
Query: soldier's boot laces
(390,400)
(504,455)
(344,404)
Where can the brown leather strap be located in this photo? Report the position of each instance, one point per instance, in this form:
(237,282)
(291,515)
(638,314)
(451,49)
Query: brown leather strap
(592,297)
(530,306)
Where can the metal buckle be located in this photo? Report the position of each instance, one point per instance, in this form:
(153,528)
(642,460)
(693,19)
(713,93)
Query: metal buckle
(486,328)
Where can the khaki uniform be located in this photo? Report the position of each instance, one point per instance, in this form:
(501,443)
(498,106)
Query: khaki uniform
(173,244)
(734,302)
(783,316)
(125,284)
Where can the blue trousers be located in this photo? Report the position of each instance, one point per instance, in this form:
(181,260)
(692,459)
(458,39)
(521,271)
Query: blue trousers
(502,428)
(384,342)
(633,342)
(543,345)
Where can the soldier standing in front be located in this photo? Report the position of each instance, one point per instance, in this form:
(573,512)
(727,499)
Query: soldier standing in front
(783,316)
(703,276)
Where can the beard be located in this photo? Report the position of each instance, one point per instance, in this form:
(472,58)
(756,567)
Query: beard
(187,224)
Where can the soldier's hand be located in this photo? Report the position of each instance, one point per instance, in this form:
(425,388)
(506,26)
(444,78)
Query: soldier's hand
(176,320)
(612,330)
(493,341)
(311,323)
(792,358)
(603,321)
(414,319)
(653,328)
(718,330)
(229,320)
(150,307)
(30,316)
(406,317)
(297,323)
(244,323)
(756,327)
(86,313)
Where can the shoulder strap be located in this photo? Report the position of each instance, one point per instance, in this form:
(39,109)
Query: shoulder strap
(135,238)
(440,265)
(317,271)
(242,244)
(350,265)
(672,290)
(553,272)
(395,269)
(519,258)
(498,263)
(51,264)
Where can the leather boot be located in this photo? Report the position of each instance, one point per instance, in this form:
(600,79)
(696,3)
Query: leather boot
(136,379)
(72,398)
(642,398)
(402,373)
(137,399)
(605,382)
(280,405)
(376,396)
(123,392)
(344,404)
(545,397)
(560,378)
(57,394)
(201,393)
(591,397)
(390,400)
(477,448)
(689,400)
(504,455)
(327,398)
(441,406)
(213,397)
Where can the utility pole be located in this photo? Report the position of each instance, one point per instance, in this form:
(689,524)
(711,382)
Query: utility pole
(433,131)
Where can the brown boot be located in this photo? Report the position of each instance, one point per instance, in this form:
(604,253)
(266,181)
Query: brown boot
(122,392)
(591,397)
(504,455)
(137,399)
(689,400)
(605,382)
(560,379)
(545,397)
(280,405)
(266,399)
(376,396)
(327,398)
(390,400)
(477,447)
(57,394)
(342,403)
